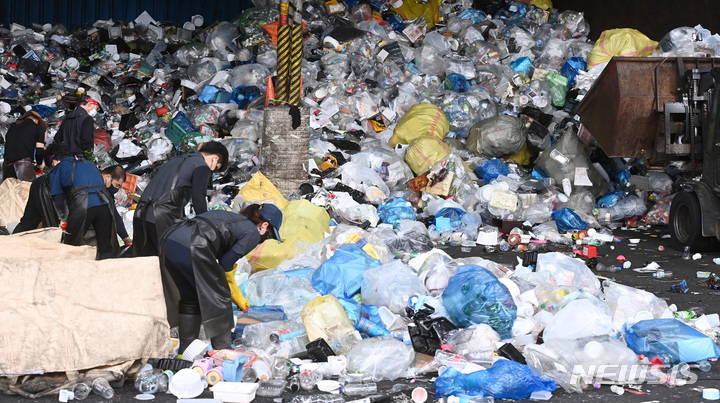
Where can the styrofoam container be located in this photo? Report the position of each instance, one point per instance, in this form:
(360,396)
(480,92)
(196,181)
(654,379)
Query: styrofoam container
(234,392)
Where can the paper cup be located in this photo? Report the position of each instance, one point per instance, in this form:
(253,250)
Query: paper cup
(419,395)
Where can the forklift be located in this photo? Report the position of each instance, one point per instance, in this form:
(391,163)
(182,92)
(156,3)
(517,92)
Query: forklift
(665,109)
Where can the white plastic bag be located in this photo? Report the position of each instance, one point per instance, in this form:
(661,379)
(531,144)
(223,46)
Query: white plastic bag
(579,318)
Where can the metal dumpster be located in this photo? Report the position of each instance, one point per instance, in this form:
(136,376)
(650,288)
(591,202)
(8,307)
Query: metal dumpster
(624,107)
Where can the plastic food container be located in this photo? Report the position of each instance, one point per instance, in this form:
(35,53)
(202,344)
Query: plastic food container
(234,392)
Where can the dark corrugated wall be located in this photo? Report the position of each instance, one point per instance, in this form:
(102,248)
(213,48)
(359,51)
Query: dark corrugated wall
(85,12)
(654,18)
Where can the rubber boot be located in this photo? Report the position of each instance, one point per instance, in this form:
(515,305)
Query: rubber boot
(188,329)
(189,321)
(221,341)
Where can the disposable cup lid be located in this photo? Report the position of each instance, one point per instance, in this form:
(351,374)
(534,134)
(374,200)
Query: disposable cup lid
(72,62)
(144,396)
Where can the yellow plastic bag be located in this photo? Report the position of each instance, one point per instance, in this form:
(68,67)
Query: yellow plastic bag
(260,190)
(410,10)
(302,222)
(625,42)
(420,120)
(424,152)
(544,4)
(522,157)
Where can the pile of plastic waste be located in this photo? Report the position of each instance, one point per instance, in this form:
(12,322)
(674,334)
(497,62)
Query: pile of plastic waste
(432,124)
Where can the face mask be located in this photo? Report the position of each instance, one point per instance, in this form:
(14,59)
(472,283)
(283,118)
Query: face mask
(113,190)
(92,113)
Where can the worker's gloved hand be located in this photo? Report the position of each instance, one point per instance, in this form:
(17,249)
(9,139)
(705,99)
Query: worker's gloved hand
(127,241)
(235,294)
(63,226)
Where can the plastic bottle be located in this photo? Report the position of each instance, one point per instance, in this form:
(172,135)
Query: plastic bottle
(689,314)
(363,389)
(324,398)
(152,381)
(686,253)
(662,274)
(605,268)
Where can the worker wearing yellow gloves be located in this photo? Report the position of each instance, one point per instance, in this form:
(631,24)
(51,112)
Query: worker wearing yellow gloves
(199,255)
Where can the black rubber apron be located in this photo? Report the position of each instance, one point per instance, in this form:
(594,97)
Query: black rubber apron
(166,211)
(209,241)
(77,203)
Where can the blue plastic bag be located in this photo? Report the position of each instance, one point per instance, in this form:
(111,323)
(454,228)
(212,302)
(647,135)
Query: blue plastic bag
(453,215)
(394,209)
(474,295)
(472,14)
(513,13)
(523,65)
(457,82)
(671,339)
(43,110)
(208,94)
(572,68)
(622,176)
(365,318)
(567,220)
(538,174)
(342,274)
(492,169)
(611,199)
(243,95)
(504,380)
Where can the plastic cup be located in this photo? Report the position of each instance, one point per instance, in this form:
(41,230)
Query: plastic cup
(419,395)
(102,387)
(81,391)
(80,91)
(198,20)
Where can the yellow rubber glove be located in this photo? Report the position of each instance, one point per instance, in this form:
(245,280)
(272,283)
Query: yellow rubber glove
(235,294)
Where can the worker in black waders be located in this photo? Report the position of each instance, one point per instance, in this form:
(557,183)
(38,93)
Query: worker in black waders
(199,254)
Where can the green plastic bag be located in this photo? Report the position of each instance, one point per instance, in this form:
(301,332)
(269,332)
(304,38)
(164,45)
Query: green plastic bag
(558,88)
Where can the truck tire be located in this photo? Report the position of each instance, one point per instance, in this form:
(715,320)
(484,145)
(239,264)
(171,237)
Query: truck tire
(686,223)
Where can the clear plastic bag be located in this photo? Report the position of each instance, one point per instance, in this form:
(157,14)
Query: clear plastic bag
(391,285)
(436,271)
(475,343)
(630,305)
(275,288)
(565,270)
(556,359)
(562,160)
(380,358)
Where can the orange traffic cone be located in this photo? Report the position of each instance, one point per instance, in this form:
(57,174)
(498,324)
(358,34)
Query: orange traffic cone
(270,93)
